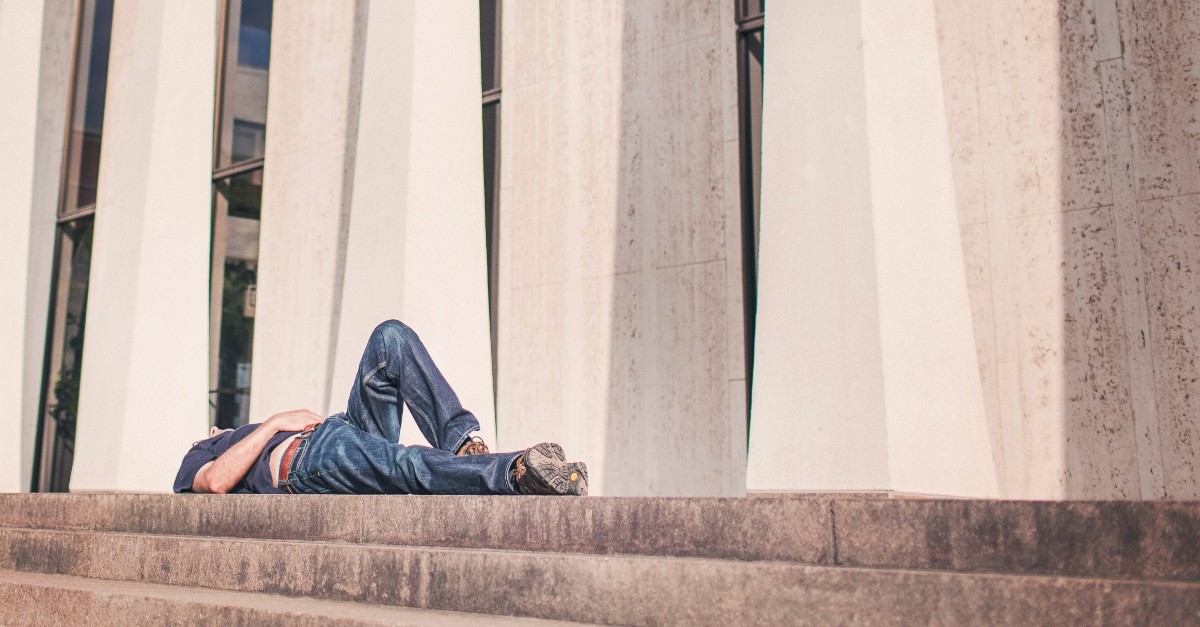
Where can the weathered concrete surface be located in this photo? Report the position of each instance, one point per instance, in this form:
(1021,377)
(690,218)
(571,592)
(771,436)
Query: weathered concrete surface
(745,529)
(148,293)
(1086,539)
(35,41)
(607,589)
(37,599)
(1111,539)
(1076,155)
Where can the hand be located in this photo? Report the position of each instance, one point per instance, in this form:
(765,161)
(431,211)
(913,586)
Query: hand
(295,420)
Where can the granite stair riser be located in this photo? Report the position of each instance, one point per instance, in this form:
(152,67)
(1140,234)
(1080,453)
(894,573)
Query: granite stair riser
(1119,540)
(591,588)
(40,605)
(48,600)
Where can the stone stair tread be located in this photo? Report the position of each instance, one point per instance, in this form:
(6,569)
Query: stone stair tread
(598,588)
(46,599)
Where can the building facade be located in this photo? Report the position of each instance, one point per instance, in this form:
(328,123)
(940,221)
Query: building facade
(927,247)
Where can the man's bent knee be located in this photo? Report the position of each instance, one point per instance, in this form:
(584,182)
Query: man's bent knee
(394,330)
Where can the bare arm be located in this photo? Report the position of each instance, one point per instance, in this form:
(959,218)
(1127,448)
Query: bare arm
(223,473)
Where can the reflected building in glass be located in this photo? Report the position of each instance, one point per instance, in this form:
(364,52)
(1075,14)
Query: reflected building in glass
(245,58)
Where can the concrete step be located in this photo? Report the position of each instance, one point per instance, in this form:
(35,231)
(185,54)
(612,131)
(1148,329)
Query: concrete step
(614,589)
(1131,540)
(39,599)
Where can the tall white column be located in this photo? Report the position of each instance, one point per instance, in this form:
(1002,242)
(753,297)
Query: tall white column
(143,397)
(416,243)
(865,370)
(312,121)
(35,43)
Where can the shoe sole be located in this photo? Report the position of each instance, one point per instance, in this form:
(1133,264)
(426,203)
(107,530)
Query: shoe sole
(550,471)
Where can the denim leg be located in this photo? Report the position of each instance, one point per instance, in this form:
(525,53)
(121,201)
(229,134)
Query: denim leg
(396,368)
(340,458)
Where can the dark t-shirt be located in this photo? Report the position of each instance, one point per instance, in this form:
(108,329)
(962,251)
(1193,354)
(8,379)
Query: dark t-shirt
(256,481)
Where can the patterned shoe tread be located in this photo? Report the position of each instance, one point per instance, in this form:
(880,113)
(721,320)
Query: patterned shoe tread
(547,473)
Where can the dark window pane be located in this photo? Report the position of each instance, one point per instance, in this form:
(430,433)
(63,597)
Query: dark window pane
(491,162)
(61,393)
(237,201)
(254,34)
(748,9)
(243,106)
(754,46)
(249,139)
(489,42)
(87,111)
(750,100)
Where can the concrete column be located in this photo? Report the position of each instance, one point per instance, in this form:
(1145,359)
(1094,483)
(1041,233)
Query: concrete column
(620,323)
(312,121)
(36,44)
(20,46)
(144,387)
(416,242)
(865,370)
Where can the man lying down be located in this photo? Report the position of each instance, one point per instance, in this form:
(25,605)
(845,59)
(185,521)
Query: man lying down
(357,452)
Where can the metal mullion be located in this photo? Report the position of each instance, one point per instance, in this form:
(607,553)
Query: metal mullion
(239,168)
(491,96)
(751,24)
(75,215)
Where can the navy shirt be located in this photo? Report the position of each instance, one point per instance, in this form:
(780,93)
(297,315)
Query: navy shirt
(256,481)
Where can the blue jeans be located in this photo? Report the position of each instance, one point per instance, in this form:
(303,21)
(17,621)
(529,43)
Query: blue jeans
(357,452)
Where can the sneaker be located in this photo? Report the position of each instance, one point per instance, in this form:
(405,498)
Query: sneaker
(542,470)
(473,446)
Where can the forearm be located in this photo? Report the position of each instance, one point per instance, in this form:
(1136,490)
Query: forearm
(223,473)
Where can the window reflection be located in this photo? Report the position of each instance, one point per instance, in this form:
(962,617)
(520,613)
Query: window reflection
(237,204)
(66,354)
(750,23)
(234,277)
(489,48)
(489,43)
(54,452)
(87,117)
(243,106)
(254,34)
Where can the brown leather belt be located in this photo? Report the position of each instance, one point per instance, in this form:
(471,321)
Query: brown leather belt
(285,464)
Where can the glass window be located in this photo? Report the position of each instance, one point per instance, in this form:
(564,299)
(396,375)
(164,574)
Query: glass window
(69,316)
(489,43)
(750,19)
(235,247)
(489,47)
(87,110)
(243,82)
(237,207)
(54,452)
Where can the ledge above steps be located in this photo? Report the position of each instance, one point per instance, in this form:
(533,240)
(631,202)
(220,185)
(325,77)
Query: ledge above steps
(1139,540)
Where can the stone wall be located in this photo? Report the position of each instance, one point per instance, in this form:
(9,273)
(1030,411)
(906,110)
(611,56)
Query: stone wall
(1076,152)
